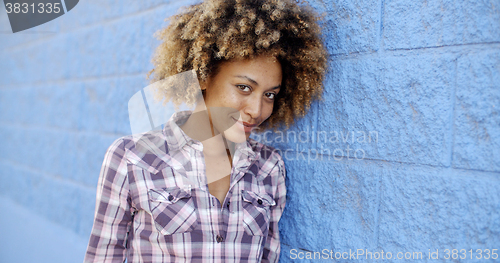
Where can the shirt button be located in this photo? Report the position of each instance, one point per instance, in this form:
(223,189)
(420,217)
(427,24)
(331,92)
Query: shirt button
(227,205)
(259,201)
(219,238)
(170,197)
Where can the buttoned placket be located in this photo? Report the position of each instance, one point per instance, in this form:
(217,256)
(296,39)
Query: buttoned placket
(195,152)
(219,214)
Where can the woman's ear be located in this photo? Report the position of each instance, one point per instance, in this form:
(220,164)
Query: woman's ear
(203,88)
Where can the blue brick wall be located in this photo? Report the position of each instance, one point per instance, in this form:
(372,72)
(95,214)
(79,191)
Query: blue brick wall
(402,154)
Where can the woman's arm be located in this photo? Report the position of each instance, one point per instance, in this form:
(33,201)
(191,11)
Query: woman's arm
(112,216)
(272,247)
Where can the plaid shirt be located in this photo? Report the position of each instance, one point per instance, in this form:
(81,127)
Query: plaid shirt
(153,203)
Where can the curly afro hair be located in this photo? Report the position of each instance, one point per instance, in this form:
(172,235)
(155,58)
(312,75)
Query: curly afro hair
(204,35)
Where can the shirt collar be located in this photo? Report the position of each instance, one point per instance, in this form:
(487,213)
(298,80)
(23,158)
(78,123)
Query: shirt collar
(175,136)
(244,153)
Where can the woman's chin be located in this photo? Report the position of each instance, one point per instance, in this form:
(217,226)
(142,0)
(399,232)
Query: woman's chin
(236,135)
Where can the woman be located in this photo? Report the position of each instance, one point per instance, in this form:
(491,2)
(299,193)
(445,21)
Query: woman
(200,190)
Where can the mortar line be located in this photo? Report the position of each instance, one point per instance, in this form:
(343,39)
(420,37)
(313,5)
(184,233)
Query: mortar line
(392,52)
(381,49)
(331,158)
(65,80)
(380,33)
(450,45)
(451,128)
(315,125)
(46,175)
(59,129)
(377,212)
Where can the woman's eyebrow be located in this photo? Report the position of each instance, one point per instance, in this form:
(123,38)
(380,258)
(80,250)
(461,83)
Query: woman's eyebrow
(277,87)
(248,78)
(255,82)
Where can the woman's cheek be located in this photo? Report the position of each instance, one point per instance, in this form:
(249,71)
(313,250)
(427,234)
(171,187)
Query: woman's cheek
(268,112)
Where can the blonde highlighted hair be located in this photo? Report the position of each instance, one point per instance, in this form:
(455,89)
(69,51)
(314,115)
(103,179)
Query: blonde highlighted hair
(207,34)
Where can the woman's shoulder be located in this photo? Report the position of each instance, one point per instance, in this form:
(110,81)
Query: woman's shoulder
(146,149)
(143,142)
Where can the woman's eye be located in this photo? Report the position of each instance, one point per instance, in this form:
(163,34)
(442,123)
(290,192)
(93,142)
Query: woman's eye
(271,95)
(243,87)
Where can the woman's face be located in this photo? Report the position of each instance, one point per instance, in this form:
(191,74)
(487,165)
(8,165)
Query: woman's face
(243,91)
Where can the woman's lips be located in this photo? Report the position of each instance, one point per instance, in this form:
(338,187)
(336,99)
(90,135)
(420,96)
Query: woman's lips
(247,127)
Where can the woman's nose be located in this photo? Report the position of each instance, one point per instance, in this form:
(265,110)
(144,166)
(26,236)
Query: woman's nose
(253,107)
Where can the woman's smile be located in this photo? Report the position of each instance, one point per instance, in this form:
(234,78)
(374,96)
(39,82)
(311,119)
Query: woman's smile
(244,126)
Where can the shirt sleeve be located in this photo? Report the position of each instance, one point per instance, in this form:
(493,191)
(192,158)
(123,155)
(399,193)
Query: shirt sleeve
(112,215)
(272,246)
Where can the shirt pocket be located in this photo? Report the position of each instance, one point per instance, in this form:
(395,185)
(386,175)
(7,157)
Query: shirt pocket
(173,210)
(256,212)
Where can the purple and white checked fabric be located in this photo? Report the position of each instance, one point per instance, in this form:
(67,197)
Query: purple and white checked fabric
(153,203)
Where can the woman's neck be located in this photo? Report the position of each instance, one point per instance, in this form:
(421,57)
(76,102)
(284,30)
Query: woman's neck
(198,127)
(217,146)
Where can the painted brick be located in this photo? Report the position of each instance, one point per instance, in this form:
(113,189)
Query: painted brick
(477,111)
(33,105)
(14,183)
(82,161)
(13,141)
(51,194)
(62,202)
(285,252)
(323,205)
(105,103)
(4,176)
(125,52)
(61,244)
(70,155)
(36,149)
(88,14)
(95,12)
(86,161)
(98,12)
(425,208)
(28,64)
(405,99)
(93,105)
(350,26)
(4,21)
(415,24)
(54,199)
(82,53)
